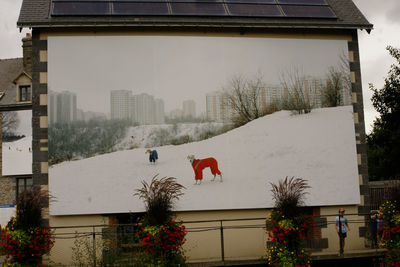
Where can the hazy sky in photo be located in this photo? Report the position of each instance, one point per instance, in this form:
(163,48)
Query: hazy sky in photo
(176,68)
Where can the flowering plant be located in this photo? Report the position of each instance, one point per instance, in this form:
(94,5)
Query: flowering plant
(163,242)
(160,236)
(390,232)
(278,255)
(26,247)
(285,236)
(281,229)
(286,226)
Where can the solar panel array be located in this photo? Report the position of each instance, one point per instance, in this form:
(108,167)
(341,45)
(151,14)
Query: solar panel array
(233,8)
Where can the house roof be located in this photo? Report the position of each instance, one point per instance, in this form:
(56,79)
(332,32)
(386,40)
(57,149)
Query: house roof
(38,13)
(10,69)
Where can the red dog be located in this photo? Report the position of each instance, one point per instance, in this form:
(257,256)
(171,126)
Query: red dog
(200,164)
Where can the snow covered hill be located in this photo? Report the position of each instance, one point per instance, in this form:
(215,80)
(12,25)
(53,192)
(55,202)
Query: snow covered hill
(319,147)
(17,157)
(149,135)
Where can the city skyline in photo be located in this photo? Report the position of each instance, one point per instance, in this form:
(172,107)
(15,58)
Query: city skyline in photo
(176,69)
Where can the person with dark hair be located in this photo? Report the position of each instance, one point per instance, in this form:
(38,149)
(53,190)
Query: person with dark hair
(342,227)
(374,228)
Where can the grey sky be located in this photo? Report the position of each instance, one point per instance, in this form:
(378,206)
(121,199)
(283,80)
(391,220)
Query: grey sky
(375,60)
(177,68)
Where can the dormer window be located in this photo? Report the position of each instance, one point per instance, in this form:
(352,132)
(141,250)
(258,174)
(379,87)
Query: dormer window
(24,93)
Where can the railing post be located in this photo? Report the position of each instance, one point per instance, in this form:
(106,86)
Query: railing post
(222,241)
(94,247)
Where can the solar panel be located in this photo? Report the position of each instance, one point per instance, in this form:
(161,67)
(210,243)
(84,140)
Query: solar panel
(308,11)
(254,10)
(303,2)
(140,8)
(81,8)
(239,8)
(198,8)
(251,1)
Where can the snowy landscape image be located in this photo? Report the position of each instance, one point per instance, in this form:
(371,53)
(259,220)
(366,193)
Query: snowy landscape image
(319,147)
(17,143)
(113,98)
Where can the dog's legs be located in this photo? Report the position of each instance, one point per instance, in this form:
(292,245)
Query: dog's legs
(213,178)
(220,177)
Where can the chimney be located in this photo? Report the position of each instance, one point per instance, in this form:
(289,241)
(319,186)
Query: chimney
(27,53)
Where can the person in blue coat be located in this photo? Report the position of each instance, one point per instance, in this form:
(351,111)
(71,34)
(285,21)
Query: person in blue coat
(153,156)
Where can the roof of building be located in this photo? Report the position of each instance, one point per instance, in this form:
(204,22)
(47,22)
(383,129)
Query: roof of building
(41,14)
(9,70)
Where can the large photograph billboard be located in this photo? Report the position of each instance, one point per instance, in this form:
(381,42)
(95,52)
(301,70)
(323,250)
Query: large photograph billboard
(262,108)
(16,142)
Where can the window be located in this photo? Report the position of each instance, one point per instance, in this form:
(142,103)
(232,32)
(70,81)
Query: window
(23,184)
(25,93)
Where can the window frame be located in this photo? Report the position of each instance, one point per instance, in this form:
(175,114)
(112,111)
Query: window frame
(26,91)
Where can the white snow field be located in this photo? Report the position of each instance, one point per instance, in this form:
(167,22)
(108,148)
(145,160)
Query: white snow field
(17,158)
(319,147)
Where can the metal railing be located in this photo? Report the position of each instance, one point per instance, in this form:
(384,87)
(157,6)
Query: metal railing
(116,232)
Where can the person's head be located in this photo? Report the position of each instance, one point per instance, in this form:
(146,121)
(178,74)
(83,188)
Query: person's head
(341,211)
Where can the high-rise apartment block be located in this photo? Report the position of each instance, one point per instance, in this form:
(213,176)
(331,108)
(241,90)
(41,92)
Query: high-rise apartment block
(189,109)
(218,107)
(63,107)
(142,108)
(120,106)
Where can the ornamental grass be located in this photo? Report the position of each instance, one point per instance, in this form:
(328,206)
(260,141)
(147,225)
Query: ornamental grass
(161,237)
(287,225)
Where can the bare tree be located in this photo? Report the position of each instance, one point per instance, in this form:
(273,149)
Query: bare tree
(337,90)
(344,68)
(244,96)
(332,93)
(10,122)
(295,97)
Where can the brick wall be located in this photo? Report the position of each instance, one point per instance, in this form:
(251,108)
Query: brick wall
(359,126)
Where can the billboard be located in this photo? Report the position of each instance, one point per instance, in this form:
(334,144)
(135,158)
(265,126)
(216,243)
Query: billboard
(16,142)
(113,98)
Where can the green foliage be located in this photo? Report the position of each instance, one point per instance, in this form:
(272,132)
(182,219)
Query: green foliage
(162,244)
(82,139)
(389,213)
(384,140)
(278,255)
(85,253)
(25,247)
(288,232)
(161,238)
(287,226)
(26,239)
(159,198)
